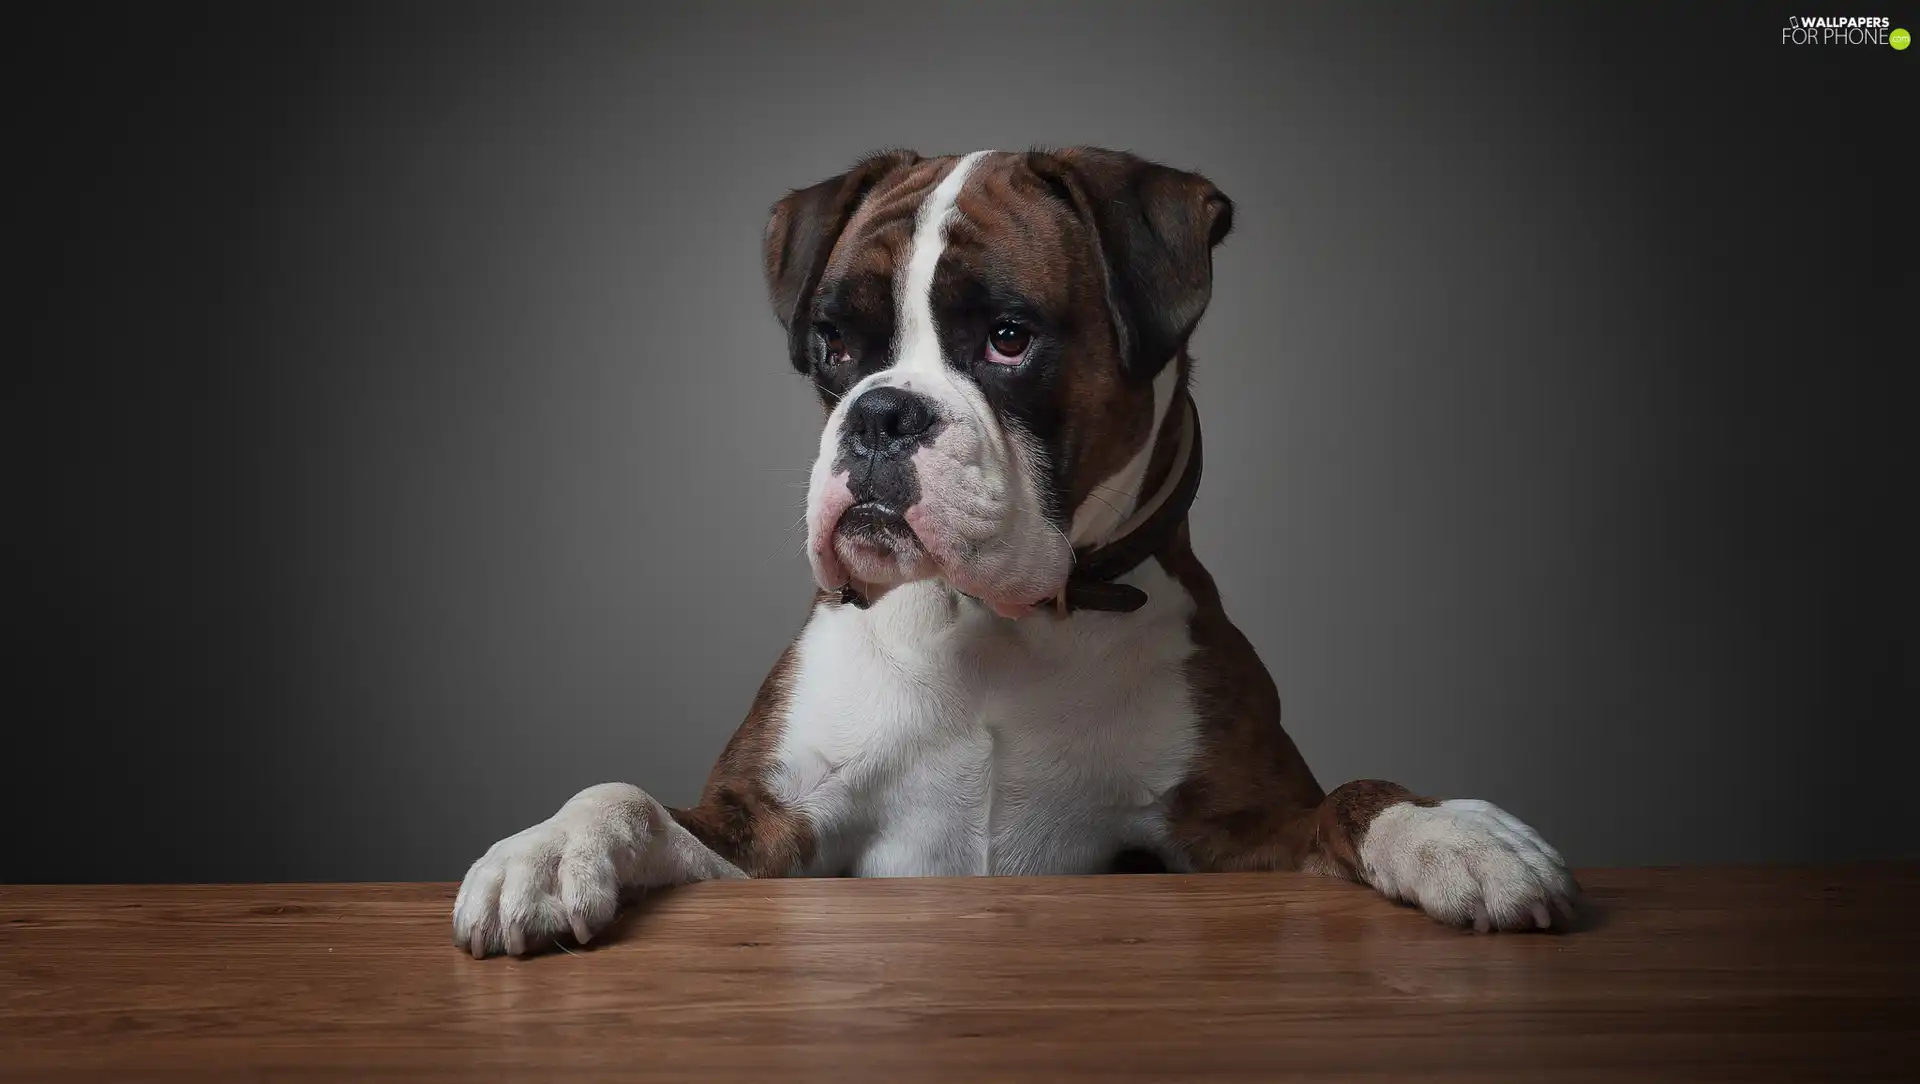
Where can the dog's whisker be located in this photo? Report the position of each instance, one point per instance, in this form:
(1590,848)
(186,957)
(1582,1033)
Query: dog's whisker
(1072,557)
(1109,504)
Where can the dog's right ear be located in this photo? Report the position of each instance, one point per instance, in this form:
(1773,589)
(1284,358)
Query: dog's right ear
(801,233)
(1154,230)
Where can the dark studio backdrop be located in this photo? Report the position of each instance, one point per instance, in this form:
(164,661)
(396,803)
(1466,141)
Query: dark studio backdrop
(398,438)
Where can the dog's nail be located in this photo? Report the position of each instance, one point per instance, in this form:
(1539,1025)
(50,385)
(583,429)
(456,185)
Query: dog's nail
(580,931)
(516,942)
(1565,907)
(1540,916)
(477,944)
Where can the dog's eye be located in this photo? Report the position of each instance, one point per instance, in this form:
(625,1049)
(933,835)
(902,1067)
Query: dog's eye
(1007,343)
(831,340)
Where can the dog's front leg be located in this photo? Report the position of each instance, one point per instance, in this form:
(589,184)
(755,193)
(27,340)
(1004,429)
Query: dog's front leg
(1251,803)
(566,874)
(1464,861)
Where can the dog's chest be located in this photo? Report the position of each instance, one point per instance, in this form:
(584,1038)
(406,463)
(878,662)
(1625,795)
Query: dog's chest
(936,740)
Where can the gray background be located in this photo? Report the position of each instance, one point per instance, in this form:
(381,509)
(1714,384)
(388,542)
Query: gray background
(403,441)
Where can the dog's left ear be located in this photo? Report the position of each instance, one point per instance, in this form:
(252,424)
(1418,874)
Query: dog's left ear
(1155,229)
(800,235)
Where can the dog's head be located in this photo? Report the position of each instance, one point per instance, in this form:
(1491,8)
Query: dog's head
(996,338)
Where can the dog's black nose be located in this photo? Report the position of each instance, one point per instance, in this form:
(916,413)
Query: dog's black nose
(887,421)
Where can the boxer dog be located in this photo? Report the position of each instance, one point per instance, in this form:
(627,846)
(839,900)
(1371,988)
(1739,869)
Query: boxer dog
(1014,663)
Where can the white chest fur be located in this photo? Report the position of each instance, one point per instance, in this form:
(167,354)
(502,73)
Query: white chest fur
(926,736)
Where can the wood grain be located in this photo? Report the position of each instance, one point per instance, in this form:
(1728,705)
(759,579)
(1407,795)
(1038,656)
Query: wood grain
(1722,974)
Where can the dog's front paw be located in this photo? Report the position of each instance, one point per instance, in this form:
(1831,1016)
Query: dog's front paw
(563,875)
(1468,862)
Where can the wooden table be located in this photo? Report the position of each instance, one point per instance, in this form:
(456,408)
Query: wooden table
(1722,974)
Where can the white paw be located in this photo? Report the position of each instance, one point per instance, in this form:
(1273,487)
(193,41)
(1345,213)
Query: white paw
(563,875)
(1468,862)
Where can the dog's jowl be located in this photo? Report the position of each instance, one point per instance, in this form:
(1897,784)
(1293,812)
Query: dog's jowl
(1015,663)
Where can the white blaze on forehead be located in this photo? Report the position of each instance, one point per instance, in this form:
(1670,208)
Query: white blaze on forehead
(919,343)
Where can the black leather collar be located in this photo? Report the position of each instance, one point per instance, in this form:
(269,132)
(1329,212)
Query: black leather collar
(1091,586)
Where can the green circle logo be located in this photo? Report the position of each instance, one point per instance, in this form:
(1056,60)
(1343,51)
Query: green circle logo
(1899,39)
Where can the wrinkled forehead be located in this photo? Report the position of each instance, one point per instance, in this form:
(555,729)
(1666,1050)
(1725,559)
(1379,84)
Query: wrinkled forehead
(1004,233)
